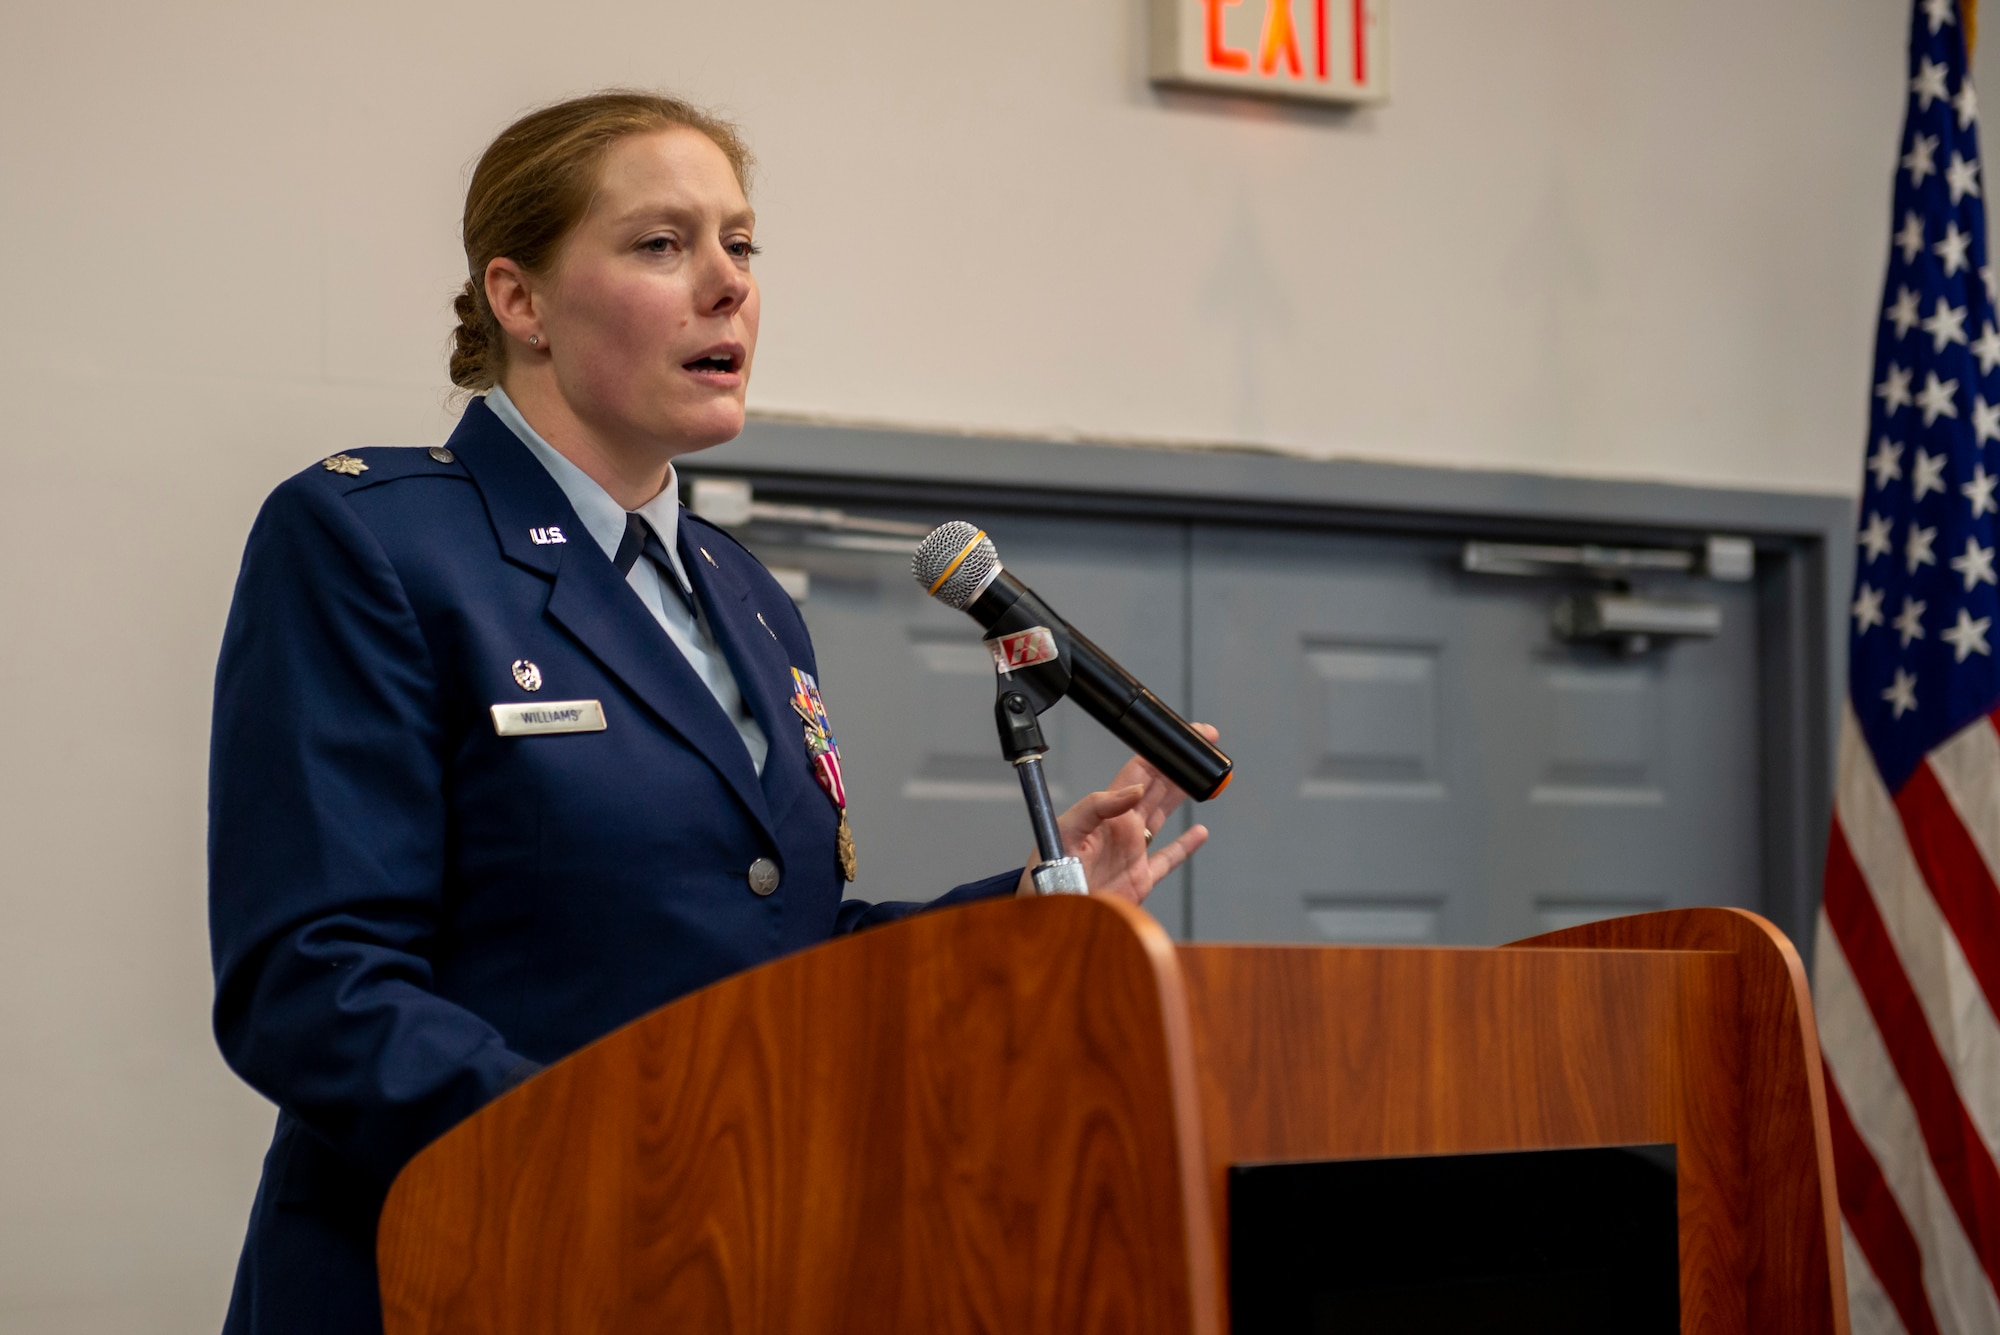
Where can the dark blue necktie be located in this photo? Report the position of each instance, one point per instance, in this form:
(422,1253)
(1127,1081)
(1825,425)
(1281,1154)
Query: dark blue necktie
(641,539)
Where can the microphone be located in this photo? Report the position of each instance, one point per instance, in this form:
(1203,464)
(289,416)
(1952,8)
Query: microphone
(958,566)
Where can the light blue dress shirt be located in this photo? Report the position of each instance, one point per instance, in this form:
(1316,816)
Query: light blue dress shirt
(604,519)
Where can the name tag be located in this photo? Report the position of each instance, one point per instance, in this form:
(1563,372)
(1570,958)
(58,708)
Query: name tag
(548,716)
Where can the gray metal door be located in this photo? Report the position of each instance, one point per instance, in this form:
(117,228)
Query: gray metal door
(1419,760)
(909,689)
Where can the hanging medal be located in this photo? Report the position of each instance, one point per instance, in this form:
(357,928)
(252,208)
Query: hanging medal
(824,754)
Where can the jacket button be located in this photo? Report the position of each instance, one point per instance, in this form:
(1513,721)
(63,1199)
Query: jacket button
(763,876)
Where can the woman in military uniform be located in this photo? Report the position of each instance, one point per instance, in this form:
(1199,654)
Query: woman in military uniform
(508,749)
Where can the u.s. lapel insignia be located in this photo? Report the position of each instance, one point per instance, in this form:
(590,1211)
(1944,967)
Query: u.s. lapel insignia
(824,754)
(345,464)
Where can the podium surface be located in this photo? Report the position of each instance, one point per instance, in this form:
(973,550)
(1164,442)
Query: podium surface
(1021,1115)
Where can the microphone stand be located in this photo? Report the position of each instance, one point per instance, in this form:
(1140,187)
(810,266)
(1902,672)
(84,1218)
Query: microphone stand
(1022,744)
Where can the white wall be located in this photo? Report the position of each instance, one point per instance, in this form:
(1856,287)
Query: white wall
(1632,239)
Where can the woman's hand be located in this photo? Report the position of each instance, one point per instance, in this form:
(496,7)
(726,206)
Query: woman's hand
(1110,833)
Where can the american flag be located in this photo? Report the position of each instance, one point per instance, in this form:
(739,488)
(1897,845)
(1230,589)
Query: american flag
(1907,952)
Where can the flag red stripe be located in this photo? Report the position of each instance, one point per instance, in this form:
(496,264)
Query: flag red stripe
(1958,876)
(1361,41)
(1964,1168)
(1877,1221)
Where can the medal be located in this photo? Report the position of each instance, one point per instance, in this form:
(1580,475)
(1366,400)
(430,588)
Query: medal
(843,848)
(824,753)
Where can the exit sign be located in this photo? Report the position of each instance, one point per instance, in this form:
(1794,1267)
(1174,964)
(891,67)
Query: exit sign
(1307,50)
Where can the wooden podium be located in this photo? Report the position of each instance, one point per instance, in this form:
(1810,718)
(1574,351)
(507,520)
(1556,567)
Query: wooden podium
(1019,1116)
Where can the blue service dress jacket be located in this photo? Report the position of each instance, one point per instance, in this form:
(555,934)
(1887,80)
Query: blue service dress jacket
(411,912)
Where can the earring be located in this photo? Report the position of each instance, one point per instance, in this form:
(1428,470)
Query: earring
(534,340)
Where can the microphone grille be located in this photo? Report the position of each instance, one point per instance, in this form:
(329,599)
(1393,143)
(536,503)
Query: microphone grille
(954,563)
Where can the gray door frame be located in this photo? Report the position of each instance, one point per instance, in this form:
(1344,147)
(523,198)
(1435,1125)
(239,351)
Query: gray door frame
(1804,547)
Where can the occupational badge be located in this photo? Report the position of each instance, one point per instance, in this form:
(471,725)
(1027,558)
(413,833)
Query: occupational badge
(824,753)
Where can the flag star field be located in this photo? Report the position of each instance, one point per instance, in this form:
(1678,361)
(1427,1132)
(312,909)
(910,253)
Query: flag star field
(1925,596)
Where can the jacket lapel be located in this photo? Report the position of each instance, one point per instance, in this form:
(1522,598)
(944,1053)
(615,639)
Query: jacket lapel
(763,673)
(591,602)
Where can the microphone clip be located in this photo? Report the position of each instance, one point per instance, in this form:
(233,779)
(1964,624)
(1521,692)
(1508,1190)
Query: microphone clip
(1031,654)
(1016,712)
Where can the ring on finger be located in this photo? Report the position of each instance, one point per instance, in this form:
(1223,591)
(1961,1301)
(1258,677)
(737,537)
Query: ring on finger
(1149,836)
